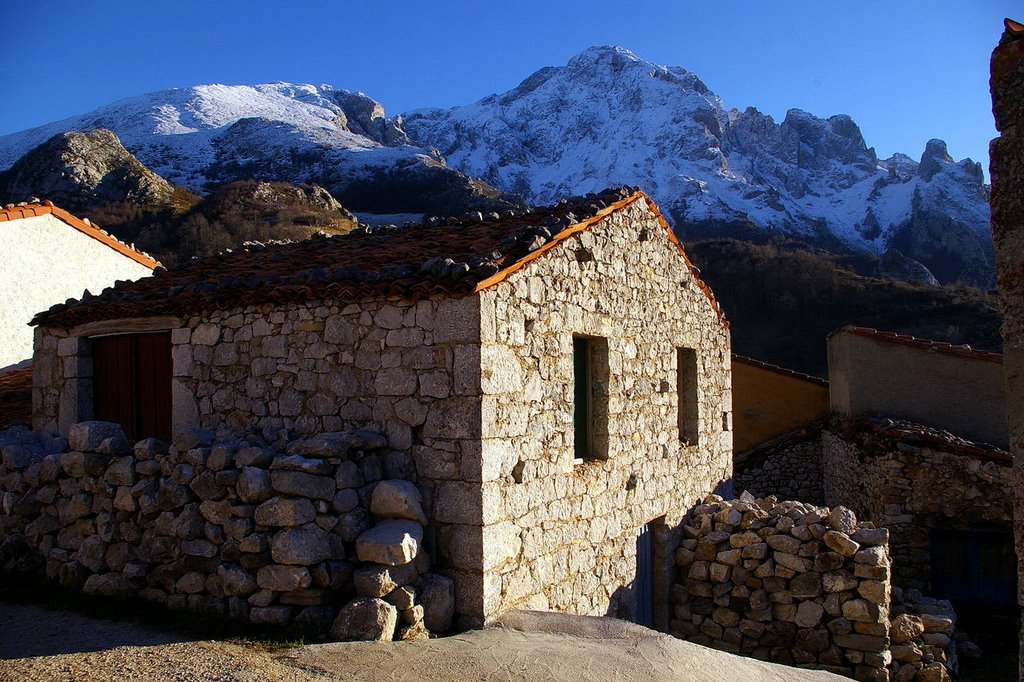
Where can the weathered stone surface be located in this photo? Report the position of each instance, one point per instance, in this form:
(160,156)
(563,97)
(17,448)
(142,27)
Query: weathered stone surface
(254,485)
(395,499)
(300,546)
(284,511)
(283,578)
(840,543)
(843,520)
(809,614)
(337,444)
(87,436)
(306,465)
(301,484)
(365,619)
(373,580)
(391,542)
(437,596)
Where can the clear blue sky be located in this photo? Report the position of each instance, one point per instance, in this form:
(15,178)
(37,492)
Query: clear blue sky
(905,71)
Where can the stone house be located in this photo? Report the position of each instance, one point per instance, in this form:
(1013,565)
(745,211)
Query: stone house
(903,449)
(557,383)
(50,256)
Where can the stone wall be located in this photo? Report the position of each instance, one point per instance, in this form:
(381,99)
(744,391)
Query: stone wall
(1007,200)
(312,534)
(561,533)
(408,370)
(787,582)
(789,469)
(911,489)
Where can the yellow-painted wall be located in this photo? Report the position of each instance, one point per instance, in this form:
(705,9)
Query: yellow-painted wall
(768,402)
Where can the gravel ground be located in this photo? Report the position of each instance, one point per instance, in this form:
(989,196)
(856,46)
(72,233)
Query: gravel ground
(53,646)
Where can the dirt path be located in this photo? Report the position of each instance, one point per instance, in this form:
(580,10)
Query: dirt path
(55,646)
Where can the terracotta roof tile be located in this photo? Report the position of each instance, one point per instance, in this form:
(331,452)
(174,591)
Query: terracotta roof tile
(16,212)
(911,433)
(906,340)
(15,397)
(454,257)
(779,370)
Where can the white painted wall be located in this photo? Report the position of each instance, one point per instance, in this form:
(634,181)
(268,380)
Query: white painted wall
(43,261)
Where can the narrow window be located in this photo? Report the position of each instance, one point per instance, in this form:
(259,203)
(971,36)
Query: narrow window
(590,397)
(686,390)
(132,383)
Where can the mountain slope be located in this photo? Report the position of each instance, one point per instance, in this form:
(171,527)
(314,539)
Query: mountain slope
(80,169)
(206,135)
(609,117)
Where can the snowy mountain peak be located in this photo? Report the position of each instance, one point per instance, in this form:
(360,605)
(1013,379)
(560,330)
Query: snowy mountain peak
(608,117)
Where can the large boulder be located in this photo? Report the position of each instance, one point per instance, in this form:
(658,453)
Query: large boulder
(396,499)
(366,619)
(300,547)
(392,542)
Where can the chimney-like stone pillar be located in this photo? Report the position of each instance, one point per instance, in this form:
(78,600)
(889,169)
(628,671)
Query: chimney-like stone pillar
(1007,174)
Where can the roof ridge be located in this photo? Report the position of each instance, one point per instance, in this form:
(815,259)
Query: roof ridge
(964,350)
(83,225)
(446,256)
(754,362)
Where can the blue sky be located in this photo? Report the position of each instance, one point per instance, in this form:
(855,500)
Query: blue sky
(905,71)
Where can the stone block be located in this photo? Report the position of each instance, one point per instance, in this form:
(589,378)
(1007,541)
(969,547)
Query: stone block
(283,578)
(88,436)
(395,499)
(302,484)
(301,546)
(283,511)
(365,619)
(391,542)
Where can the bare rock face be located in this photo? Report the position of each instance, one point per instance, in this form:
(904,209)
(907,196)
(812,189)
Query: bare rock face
(78,169)
(366,619)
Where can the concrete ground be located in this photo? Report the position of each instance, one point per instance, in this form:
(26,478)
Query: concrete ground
(51,645)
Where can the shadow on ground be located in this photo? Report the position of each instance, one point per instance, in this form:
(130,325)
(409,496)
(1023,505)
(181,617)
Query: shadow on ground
(27,631)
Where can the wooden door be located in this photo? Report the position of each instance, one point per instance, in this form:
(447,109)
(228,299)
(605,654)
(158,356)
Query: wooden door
(132,383)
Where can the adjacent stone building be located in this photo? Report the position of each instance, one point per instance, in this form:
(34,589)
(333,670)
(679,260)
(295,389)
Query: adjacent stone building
(49,256)
(1007,173)
(556,383)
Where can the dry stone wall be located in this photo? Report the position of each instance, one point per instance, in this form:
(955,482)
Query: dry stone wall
(912,489)
(227,525)
(787,582)
(559,532)
(789,471)
(408,370)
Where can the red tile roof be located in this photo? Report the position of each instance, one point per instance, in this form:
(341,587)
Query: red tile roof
(911,433)
(18,211)
(792,373)
(926,344)
(15,397)
(453,257)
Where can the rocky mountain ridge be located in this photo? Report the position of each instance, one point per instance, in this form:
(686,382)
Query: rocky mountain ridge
(609,117)
(606,118)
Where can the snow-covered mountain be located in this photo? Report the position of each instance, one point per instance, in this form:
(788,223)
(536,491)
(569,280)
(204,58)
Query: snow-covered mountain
(609,117)
(209,134)
(606,118)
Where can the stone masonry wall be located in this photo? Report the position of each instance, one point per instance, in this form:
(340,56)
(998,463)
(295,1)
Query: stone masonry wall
(788,471)
(309,534)
(1007,200)
(910,490)
(786,582)
(561,533)
(408,370)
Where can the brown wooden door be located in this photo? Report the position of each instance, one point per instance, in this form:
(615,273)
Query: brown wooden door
(132,383)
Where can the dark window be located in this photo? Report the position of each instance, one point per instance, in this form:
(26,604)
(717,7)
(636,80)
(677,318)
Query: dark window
(686,390)
(590,397)
(973,566)
(132,383)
